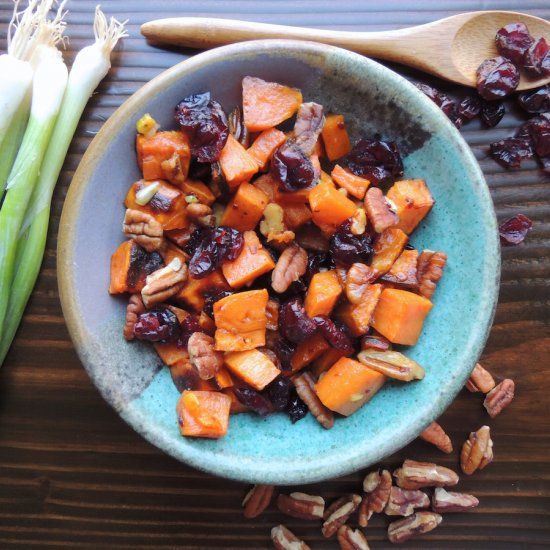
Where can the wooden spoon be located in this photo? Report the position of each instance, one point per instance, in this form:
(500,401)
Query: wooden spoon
(451,48)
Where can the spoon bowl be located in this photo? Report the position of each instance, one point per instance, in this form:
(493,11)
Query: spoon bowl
(450,48)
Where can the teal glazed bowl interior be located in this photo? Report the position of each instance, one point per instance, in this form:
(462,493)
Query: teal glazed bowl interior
(374,101)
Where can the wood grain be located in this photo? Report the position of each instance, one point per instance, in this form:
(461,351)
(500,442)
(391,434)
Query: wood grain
(74,475)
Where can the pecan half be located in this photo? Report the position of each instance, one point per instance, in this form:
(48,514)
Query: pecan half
(417,524)
(392,364)
(376,342)
(164,283)
(414,475)
(173,169)
(301,505)
(499,397)
(348,539)
(477,451)
(358,277)
(272,314)
(338,513)
(309,123)
(144,229)
(305,387)
(133,310)
(257,500)
(379,493)
(358,222)
(429,271)
(404,503)
(436,435)
(480,380)
(446,501)
(284,539)
(203,355)
(378,210)
(201,214)
(292,264)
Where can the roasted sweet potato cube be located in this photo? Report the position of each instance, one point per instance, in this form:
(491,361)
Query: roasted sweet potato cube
(267,184)
(307,351)
(329,207)
(200,190)
(265,145)
(355,185)
(387,248)
(413,201)
(193,292)
(296,215)
(325,361)
(403,270)
(245,209)
(322,294)
(335,137)
(203,413)
(236,163)
(253,367)
(358,317)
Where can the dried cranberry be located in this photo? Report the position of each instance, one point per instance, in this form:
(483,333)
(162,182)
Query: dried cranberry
(492,112)
(157,325)
(537,129)
(211,297)
(347,248)
(443,101)
(378,161)
(470,107)
(317,261)
(511,151)
(283,350)
(296,408)
(199,170)
(537,59)
(279,392)
(333,334)
(254,400)
(537,101)
(294,324)
(513,41)
(205,123)
(188,326)
(514,230)
(291,167)
(496,78)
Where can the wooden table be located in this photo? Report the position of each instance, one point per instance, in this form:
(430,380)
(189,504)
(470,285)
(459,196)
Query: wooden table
(74,475)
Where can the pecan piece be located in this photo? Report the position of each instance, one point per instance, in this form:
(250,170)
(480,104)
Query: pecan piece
(164,283)
(201,214)
(273,227)
(376,342)
(257,500)
(377,487)
(358,277)
(358,222)
(392,364)
(404,503)
(203,355)
(309,123)
(477,451)
(348,539)
(301,505)
(446,501)
(417,524)
(429,271)
(436,435)
(284,539)
(305,387)
(414,475)
(272,314)
(338,513)
(144,229)
(480,380)
(134,308)
(499,397)
(292,264)
(379,210)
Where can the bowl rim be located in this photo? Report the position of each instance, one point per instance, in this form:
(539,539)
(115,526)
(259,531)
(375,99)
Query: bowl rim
(67,245)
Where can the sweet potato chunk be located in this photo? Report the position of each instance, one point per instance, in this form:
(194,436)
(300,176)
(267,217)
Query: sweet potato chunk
(203,413)
(329,207)
(325,361)
(200,190)
(193,292)
(335,137)
(403,270)
(253,367)
(266,104)
(253,261)
(236,163)
(322,294)
(413,201)
(307,351)
(241,321)
(358,317)
(348,385)
(387,248)
(245,209)
(355,185)
(264,146)
(399,315)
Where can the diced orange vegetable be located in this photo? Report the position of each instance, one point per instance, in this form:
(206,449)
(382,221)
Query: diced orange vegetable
(266,104)
(322,294)
(348,385)
(325,178)
(296,215)
(325,361)
(203,413)
(200,190)
(387,248)
(207,324)
(165,155)
(171,251)
(222,379)
(335,137)
(241,320)
(264,146)
(413,201)
(167,205)
(267,184)
(170,353)
(329,207)
(253,261)
(180,237)
(237,164)
(358,317)
(245,209)
(403,270)
(120,266)
(297,197)
(355,185)
(307,351)
(253,367)
(319,150)
(399,315)
(192,293)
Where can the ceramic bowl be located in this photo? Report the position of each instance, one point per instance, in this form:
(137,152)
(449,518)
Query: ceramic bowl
(375,101)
